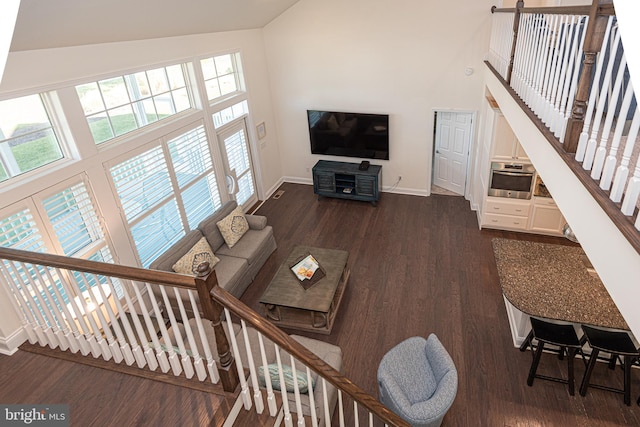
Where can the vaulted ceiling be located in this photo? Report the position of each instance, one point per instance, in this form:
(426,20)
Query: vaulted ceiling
(45,24)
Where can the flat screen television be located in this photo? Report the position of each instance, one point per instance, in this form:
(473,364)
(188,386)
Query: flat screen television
(336,133)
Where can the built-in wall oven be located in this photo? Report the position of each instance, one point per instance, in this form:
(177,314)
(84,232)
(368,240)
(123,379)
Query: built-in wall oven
(513,180)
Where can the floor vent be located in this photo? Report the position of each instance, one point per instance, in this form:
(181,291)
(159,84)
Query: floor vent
(278,194)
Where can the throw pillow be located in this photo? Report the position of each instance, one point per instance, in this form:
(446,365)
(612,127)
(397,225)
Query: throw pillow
(199,253)
(233,226)
(287,373)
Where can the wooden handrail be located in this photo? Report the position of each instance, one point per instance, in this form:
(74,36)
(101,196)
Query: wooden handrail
(95,267)
(305,356)
(556,10)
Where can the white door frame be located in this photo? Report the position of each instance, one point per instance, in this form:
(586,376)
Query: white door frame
(472,143)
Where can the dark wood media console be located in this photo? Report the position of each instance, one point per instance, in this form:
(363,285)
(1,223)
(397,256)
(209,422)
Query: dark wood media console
(347,181)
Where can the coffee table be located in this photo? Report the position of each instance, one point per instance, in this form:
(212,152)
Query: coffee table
(289,305)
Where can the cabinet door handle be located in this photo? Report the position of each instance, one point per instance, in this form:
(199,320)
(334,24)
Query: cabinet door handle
(518,210)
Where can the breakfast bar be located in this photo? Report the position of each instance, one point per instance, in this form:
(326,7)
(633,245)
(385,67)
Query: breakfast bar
(552,281)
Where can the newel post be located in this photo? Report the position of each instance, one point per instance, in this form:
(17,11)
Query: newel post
(516,27)
(592,46)
(206,279)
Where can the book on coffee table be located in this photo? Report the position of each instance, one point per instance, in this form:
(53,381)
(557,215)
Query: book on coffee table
(307,270)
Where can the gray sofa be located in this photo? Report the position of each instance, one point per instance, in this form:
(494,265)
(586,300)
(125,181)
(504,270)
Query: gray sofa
(238,265)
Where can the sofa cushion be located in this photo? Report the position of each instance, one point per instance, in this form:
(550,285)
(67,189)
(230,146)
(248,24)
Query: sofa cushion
(229,271)
(250,246)
(166,261)
(199,253)
(233,226)
(209,228)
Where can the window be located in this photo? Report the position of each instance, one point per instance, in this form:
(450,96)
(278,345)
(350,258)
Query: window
(27,138)
(222,76)
(70,215)
(229,114)
(167,191)
(119,105)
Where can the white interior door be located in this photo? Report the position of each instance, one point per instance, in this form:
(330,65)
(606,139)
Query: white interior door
(234,145)
(452,140)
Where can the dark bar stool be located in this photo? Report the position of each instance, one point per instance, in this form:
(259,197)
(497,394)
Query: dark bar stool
(562,336)
(619,345)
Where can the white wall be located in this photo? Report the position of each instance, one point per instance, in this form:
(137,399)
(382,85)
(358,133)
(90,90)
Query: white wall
(376,56)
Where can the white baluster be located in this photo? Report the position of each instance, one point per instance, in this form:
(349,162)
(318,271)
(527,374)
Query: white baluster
(556,69)
(28,321)
(543,65)
(622,172)
(174,358)
(592,143)
(257,394)
(296,392)
(550,70)
(574,66)
(165,364)
(246,398)
(41,328)
(370,419)
(561,81)
(271,399)
(283,390)
(591,104)
(356,416)
(312,402)
(340,408)
(601,151)
(85,339)
(91,312)
(138,352)
(632,193)
(143,350)
(211,364)
(66,319)
(114,348)
(611,160)
(186,360)
(325,401)
(52,307)
(125,349)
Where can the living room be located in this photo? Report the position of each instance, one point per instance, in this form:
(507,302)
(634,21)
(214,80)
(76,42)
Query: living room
(296,63)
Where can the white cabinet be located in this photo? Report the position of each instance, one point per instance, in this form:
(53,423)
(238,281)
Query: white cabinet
(505,144)
(546,218)
(509,214)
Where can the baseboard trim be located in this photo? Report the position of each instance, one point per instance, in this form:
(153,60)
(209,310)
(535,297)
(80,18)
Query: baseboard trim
(9,345)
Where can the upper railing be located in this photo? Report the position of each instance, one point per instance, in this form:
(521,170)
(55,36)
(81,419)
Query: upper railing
(124,314)
(567,68)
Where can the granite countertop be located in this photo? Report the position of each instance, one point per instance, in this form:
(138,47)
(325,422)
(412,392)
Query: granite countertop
(552,281)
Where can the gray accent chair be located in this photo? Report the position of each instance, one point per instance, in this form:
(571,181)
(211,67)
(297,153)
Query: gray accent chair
(418,380)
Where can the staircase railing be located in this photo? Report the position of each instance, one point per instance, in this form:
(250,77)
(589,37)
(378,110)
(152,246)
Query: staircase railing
(566,66)
(124,315)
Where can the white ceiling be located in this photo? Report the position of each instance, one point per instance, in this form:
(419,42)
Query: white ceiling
(45,24)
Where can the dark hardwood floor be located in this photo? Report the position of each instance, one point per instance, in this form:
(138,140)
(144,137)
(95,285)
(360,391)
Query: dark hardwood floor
(419,265)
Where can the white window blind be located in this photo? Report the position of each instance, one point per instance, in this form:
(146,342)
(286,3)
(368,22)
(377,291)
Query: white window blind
(166,191)
(191,160)
(238,157)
